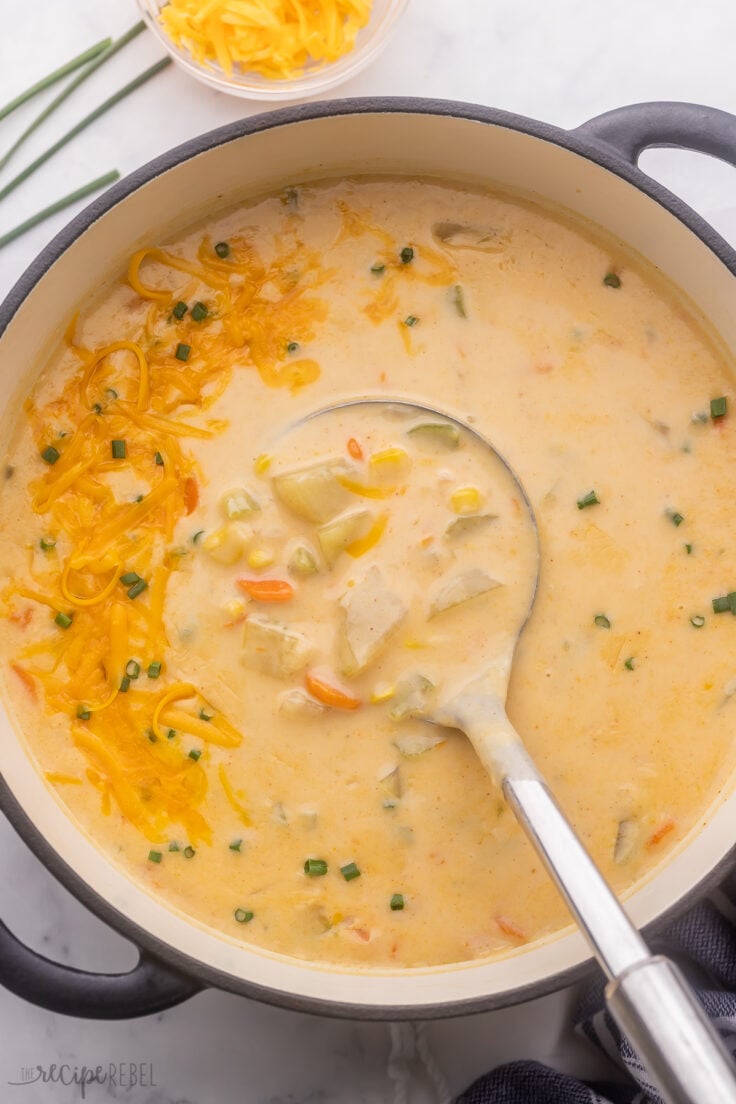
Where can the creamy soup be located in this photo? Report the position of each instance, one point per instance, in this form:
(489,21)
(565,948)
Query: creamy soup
(224,619)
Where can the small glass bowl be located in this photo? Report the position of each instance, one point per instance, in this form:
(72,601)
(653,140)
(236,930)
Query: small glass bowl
(315,79)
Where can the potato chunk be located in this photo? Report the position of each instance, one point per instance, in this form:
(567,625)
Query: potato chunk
(314,492)
(461,588)
(273,648)
(338,535)
(372,613)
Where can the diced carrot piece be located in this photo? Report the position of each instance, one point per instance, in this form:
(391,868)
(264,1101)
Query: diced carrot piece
(329,694)
(27,680)
(267,590)
(354,449)
(191,494)
(664,830)
(508,927)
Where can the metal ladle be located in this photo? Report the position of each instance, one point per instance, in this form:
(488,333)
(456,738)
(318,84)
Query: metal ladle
(646,994)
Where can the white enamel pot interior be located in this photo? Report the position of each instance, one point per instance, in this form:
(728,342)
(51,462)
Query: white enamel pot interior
(452,142)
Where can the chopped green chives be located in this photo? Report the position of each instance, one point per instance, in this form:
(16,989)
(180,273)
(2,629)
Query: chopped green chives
(390,803)
(151,735)
(195,754)
(174,846)
(180,310)
(697,621)
(612,280)
(699,418)
(64,620)
(718,407)
(159,459)
(47,544)
(349,871)
(458,300)
(111,394)
(50,454)
(222,249)
(119,450)
(689,549)
(199,312)
(124,684)
(235,845)
(171,734)
(154,669)
(590,499)
(197,536)
(155,856)
(675,517)
(292,346)
(132,669)
(205,716)
(407,254)
(722,604)
(315,868)
(182,351)
(396,903)
(189,852)
(411,320)
(378,269)
(83,713)
(601,621)
(629,664)
(243,916)
(129,578)
(137,588)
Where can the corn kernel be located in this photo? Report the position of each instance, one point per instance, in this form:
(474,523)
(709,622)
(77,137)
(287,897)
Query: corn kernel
(234,610)
(262,463)
(466,500)
(258,558)
(389,463)
(382,691)
(225,545)
(238,504)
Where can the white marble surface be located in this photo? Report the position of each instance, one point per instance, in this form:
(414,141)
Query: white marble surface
(563,62)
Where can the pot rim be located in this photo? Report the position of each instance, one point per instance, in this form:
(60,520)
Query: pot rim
(598,152)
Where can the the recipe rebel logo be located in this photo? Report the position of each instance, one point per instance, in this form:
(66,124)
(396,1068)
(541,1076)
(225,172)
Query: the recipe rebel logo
(113,1076)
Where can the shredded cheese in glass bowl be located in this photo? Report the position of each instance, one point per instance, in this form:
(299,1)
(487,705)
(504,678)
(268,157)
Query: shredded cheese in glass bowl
(272,49)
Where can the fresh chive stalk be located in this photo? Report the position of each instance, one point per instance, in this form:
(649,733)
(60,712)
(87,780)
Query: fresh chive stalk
(155,856)
(154,669)
(243,916)
(396,904)
(64,620)
(80,126)
(601,621)
(199,312)
(100,59)
(57,75)
(350,871)
(222,249)
(66,201)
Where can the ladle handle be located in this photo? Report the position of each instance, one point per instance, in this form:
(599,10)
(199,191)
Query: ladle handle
(647,995)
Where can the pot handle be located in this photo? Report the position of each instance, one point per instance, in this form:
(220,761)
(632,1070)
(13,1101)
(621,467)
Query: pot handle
(631,130)
(149,987)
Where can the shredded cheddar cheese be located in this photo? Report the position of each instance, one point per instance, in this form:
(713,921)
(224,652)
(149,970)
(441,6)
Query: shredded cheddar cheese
(104,588)
(276,38)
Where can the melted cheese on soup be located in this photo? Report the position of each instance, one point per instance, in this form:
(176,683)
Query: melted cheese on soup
(220,631)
